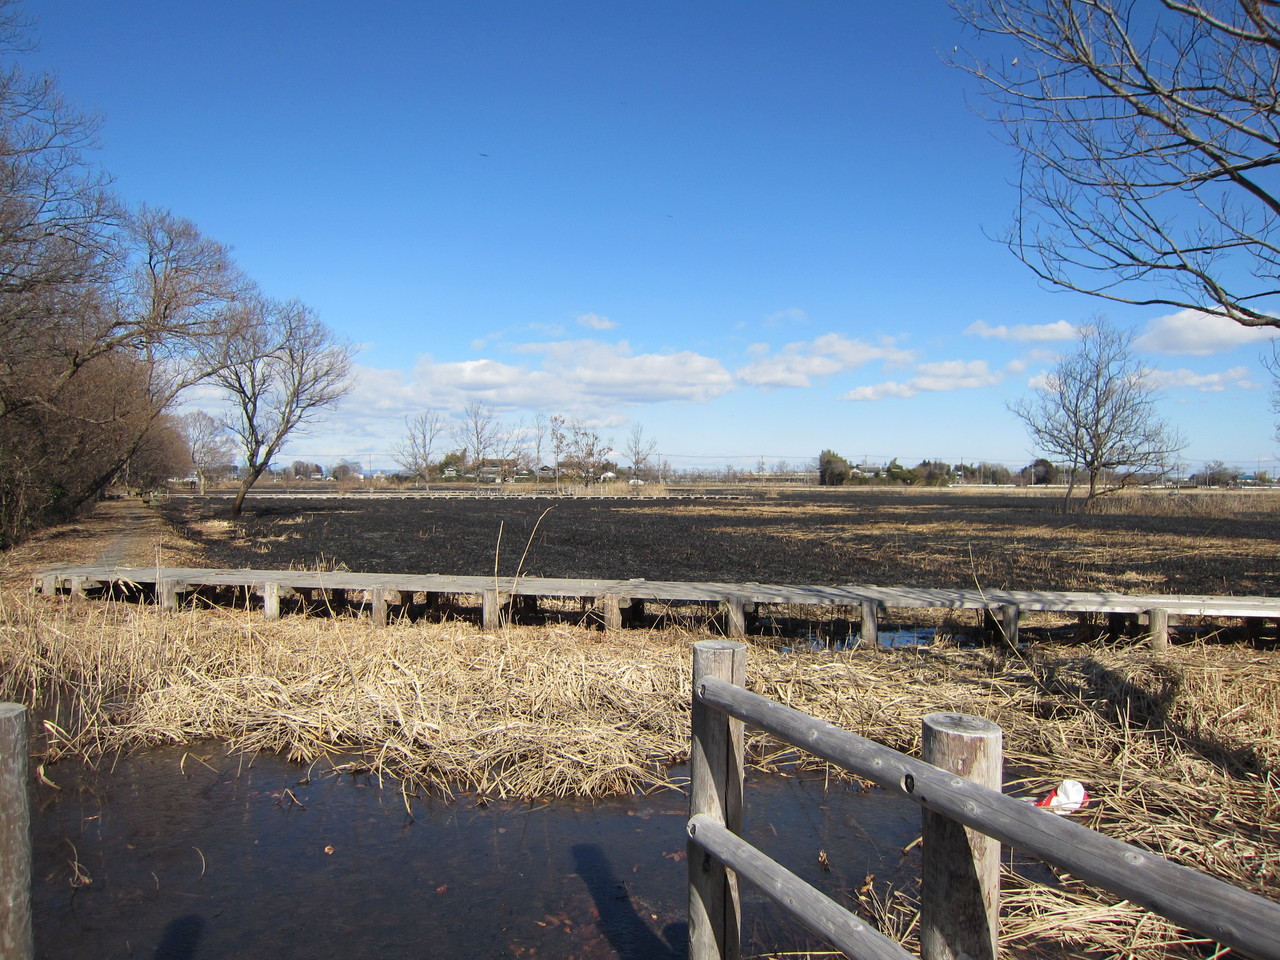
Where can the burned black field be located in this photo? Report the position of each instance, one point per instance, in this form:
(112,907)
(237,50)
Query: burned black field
(1141,543)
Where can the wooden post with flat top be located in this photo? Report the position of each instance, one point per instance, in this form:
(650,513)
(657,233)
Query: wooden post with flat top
(960,874)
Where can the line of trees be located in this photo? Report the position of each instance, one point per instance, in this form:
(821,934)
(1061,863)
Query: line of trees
(481,444)
(110,314)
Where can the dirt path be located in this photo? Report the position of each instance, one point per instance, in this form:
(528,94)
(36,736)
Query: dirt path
(123,532)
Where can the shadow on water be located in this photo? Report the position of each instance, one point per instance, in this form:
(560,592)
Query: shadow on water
(628,934)
(188,853)
(180,939)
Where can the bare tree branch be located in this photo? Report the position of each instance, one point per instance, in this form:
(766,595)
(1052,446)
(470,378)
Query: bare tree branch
(1149,141)
(284,370)
(416,452)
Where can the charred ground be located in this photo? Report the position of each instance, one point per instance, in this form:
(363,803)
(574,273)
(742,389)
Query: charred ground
(1227,544)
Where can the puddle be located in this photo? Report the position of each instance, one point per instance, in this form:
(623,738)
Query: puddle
(239,860)
(814,640)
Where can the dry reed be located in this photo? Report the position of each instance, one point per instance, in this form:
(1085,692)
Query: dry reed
(1178,752)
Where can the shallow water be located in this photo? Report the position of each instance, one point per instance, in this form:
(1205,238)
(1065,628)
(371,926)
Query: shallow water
(236,859)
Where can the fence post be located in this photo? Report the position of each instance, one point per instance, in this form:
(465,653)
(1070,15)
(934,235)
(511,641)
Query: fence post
(271,600)
(490,610)
(870,623)
(378,607)
(715,770)
(1158,630)
(16,936)
(735,616)
(960,875)
(167,594)
(611,608)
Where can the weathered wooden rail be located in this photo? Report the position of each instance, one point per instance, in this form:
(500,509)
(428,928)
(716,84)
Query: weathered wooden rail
(617,601)
(963,807)
(470,493)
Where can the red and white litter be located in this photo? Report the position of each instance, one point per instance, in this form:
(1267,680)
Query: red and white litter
(1067,797)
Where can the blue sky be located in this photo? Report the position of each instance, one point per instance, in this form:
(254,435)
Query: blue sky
(753,228)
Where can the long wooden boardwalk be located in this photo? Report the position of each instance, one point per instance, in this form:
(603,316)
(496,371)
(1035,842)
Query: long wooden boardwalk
(620,600)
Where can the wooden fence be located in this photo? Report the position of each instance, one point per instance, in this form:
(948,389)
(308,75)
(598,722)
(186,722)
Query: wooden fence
(618,602)
(960,873)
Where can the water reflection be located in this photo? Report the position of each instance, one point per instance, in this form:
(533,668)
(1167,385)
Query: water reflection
(180,856)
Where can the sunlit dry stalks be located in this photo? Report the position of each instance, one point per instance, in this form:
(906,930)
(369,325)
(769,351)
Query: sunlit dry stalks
(1188,503)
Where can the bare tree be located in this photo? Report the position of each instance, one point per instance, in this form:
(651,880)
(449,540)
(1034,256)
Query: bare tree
(538,428)
(559,427)
(1097,411)
(284,372)
(1149,143)
(175,309)
(580,447)
(416,452)
(639,450)
(477,433)
(511,448)
(178,299)
(161,455)
(210,445)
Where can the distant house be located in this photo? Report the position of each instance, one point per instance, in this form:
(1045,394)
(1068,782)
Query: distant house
(495,470)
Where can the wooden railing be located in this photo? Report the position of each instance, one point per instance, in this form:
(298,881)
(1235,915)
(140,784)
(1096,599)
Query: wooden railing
(960,873)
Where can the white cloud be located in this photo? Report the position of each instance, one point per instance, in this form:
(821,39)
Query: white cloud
(1237,377)
(936,377)
(1199,334)
(881,391)
(955,375)
(1023,332)
(595,321)
(798,363)
(611,373)
(581,377)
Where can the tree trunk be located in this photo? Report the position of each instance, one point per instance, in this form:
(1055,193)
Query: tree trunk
(237,505)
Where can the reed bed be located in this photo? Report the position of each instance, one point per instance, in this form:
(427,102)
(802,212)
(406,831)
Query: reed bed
(1178,752)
